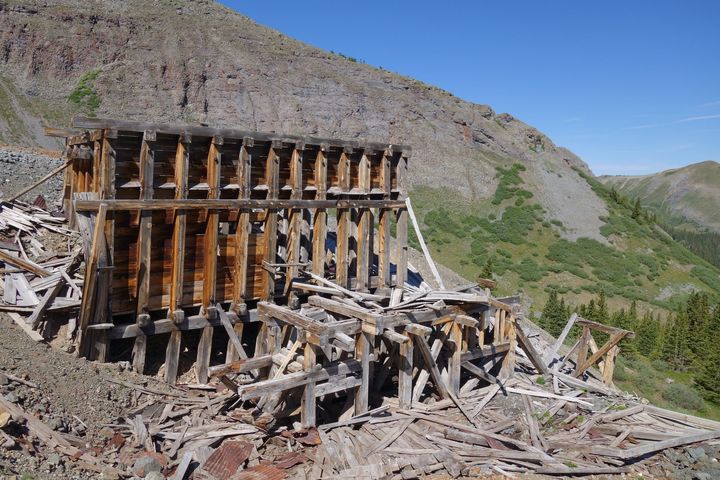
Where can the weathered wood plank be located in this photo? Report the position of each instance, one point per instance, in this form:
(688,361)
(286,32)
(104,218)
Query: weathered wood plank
(182,160)
(308,406)
(144,245)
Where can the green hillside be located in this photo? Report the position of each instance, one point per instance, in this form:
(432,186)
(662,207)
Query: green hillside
(528,251)
(687,196)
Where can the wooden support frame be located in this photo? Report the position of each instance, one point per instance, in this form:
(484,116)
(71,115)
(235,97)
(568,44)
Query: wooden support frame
(211,199)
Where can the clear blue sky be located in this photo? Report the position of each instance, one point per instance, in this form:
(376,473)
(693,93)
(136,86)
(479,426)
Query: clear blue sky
(632,87)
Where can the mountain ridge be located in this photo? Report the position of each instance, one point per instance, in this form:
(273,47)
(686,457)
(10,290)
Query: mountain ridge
(688,196)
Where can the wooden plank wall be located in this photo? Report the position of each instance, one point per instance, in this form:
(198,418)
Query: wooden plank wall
(173,263)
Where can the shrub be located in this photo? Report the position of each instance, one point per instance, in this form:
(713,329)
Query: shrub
(683,396)
(621,374)
(84,94)
(661,365)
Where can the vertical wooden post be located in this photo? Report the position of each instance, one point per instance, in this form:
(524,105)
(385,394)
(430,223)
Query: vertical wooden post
(609,367)
(272,179)
(364,251)
(103,308)
(307,409)
(456,335)
(172,356)
(203,355)
(583,348)
(175,311)
(362,353)
(144,250)
(508,363)
(96,166)
(182,160)
(319,234)
(405,374)
(242,232)
(91,284)
(242,236)
(402,223)
(384,276)
(209,260)
(295,235)
(212,226)
(499,334)
(343,225)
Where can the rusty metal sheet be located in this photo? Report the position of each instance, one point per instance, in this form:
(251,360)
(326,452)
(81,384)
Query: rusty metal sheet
(227,458)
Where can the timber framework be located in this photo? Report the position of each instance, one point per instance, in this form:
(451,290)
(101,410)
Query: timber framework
(269,257)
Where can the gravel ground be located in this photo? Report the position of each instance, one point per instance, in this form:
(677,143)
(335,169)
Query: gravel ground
(73,396)
(19,168)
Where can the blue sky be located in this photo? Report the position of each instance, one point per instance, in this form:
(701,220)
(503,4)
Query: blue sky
(632,87)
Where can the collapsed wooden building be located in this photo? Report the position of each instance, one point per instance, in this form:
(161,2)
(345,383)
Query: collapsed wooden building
(198,234)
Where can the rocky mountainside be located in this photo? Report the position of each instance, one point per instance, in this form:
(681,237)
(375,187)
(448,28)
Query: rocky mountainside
(510,197)
(690,193)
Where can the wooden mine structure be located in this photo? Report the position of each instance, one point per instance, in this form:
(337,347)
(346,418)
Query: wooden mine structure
(192,234)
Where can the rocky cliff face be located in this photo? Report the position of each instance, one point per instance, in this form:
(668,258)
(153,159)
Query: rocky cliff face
(183,61)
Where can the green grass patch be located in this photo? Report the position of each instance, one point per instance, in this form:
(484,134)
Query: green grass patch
(84,95)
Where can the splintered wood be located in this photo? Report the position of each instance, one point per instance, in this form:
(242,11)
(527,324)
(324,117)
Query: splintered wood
(314,352)
(38,279)
(517,425)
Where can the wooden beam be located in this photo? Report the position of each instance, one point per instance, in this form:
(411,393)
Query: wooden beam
(319,233)
(144,243)
(39,182)
(455,360)
(529,348)
(364,227)
(272,176)
(172,356)
(431,366)
(342,247)
(561,339)
(24,264)
(308,402)
(182,161)
(229,133)
(203,355)
(295,221)
(425,250)
(243,229)
(584,365)
(88,305)
(508,363)
(230,204)
(210,252)
(405,374)
(583,347)
(363,346)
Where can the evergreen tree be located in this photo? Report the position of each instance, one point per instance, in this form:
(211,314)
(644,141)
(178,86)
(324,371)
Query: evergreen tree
(647,333)
(637,210)
(708,381)
(487,270)
(554,315)
(675,349)
(697,311)
(602,315)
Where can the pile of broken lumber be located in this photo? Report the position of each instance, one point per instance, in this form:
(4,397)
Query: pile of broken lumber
(518,425)
(37,279)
